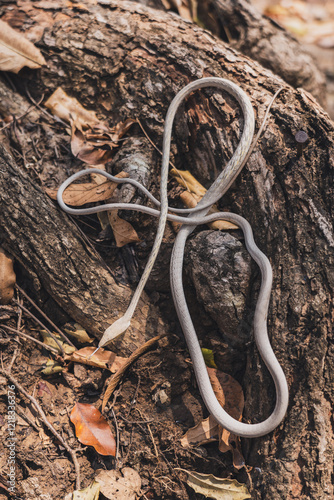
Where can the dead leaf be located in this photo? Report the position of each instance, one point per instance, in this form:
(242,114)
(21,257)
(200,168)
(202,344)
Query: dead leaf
(52,367)
(70,110)
(215,487)
(79,333)
(88,192)
(48,340)
(16,51)
(7,278)
(101,359)
(122,229)
(230,395)
(204,432)
(194,194)
(95,146)
(92,429)
(119,485)
(92,492)
(91,153)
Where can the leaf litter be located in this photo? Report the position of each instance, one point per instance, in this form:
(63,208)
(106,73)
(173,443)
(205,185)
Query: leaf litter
(16,51)
(92,429)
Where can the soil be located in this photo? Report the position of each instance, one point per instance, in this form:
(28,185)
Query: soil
(156,403)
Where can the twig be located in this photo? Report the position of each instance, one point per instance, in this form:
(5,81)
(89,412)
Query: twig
(16,350)
(258,135)
(40,324)
(47,423)
(44,315)
(35,105)
(119,374)
(134,399)
(154,445)
(25,335)
(117,439)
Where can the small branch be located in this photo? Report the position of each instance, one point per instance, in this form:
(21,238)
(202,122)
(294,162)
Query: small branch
(25,335)
(117,438)
(40,324)
(119,374)
(47,423)
(44,315)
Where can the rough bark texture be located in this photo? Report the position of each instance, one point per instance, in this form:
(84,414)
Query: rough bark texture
(119,58)
(240,24)
(51,248)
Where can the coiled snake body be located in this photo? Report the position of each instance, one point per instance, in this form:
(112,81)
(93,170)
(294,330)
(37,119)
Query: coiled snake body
(195,217)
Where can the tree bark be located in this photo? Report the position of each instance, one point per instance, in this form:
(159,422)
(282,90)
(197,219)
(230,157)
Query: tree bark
(119,58)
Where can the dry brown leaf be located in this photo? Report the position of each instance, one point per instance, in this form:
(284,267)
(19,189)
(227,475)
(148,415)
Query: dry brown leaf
(195,192)
(230,395)
(205,432)
(188,181)
(7,278)
(190,200)
(90,152)
(88,192)
(16,51)
(92,141)
(123,231)
(70,110)
(95,146)
(102,358)
(218,488)
(119,485)
(92,429)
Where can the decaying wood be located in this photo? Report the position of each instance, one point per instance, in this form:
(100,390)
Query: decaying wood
(118,58)
(45,242)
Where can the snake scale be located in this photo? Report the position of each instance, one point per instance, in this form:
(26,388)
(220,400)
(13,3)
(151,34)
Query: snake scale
(190,218)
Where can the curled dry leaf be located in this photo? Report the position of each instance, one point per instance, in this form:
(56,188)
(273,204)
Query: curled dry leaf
(7,278)
(194,194)
(119,485)
(92,429)
(123,231)
(70,110)
(204,432)
(92,141)
(16,51)
(48,340)
(101,359)
(76,331)
(95,145)
(88,192)
(215,487)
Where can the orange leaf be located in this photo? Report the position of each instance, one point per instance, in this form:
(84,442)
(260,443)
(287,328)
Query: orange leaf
(92,429)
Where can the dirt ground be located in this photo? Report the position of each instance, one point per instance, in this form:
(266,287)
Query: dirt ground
(153,407)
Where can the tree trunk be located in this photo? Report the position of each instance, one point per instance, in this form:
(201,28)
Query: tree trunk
(117,57)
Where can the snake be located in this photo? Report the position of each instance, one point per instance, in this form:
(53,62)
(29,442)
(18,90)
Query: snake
(190,218)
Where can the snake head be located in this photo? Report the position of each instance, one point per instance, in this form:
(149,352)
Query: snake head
(114,330)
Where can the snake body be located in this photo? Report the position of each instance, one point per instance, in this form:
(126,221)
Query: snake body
(190,218)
